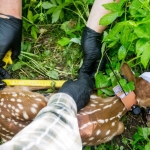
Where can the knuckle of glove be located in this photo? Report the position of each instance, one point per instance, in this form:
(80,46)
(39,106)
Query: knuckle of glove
(83,97)
(66,86)
(12,33)
(4,74)
(86,80)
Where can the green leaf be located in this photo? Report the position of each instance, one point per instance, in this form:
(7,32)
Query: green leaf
(125,33)
(47,5)
(35,17)
(143,31)
(26,25)
(114,32)
(122,53)
(99,92)
(53,74)
(145,57)
(54,2)
(131,85)
(61,16)
(102,81)
(108,18)
(87,148)
(121,3)
(147,146)
(113,79)
(111,6)
(145,133)
(126,88)
(51,10)
(64,41)
(137,10)
(17,66)
(30,16)
(34,32)
(55,16)
(108,92)
(76,40)
(123,82)
(59,2)
(112,44)
(141,45)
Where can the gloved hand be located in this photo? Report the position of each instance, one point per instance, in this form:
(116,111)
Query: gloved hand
(10,39)
(91,46)
(80,90)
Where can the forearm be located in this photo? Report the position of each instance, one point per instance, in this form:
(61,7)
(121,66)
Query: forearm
(11,7)
(97,12)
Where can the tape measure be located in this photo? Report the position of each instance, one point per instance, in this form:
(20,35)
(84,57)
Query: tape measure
(12,82)
(20,82)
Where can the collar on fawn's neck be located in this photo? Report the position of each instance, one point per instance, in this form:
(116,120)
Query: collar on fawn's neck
(128,99)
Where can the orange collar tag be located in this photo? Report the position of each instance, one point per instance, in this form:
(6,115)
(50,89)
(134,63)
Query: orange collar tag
(128,99)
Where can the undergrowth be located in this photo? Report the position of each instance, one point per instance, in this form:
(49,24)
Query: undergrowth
(51,46)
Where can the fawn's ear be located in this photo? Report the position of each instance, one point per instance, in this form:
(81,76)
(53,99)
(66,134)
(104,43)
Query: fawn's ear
(127,72)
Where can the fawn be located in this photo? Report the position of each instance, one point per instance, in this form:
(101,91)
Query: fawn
(98,122)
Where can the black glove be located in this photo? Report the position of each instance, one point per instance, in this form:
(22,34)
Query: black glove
(91,46)
(10,39)
(80,90)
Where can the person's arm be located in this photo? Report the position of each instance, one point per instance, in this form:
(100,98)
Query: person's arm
(91,39)
(11,7)
(56,126)
(97,12)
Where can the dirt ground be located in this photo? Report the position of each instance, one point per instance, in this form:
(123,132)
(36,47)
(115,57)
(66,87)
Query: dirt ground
(131,124)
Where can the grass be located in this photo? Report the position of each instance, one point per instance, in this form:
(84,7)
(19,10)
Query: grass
(44,58)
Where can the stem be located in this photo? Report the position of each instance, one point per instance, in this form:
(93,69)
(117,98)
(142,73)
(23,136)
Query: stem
(80,13)
(125,12)
(29,54)
(34,69)
(36,64)
(77,14)
(24,72)
(28,21)
(102,50)
(62,72)
(134,59)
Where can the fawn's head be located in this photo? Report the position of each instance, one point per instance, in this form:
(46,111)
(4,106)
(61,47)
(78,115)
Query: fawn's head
(142,86)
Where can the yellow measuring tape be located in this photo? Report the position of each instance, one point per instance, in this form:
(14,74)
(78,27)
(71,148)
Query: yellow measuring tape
(12,82)
(49,83)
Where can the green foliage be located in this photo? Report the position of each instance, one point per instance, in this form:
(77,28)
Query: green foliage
(33,61)
(127,38)
(127,87)
(141,139)
(105,83)
(105,146)
(47,12)
(130,34)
